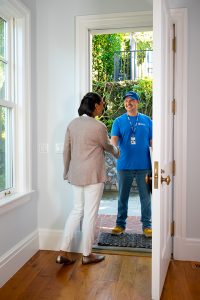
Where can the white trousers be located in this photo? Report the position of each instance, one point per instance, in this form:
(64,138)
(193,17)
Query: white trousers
(86,204)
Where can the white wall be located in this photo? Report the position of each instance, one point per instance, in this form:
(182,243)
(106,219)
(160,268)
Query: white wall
(55,99)
(55,74)
(56,90)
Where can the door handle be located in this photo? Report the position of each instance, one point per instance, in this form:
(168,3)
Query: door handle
(148,179)
(166,179)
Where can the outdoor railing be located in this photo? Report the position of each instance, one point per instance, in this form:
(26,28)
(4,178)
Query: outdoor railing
(131,65)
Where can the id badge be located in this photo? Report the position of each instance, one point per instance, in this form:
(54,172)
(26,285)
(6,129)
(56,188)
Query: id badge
(133,141)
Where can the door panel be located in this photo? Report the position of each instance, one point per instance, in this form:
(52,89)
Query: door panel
(162,145)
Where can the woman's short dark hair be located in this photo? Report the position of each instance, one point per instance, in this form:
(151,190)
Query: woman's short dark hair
(88,102)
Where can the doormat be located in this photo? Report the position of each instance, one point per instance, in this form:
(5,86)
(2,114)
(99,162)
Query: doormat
(129,240)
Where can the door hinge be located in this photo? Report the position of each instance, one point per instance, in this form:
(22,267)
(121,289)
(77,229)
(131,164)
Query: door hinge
(172,229)
(174,44)
(174,106)
(174,167)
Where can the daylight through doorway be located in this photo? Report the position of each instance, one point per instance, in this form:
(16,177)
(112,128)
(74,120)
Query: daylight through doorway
(120,62)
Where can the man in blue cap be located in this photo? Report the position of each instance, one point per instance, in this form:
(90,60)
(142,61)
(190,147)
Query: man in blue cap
(132,133)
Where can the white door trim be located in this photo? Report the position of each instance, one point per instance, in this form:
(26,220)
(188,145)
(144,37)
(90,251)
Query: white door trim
(95,23)
(179,17)
(139,21)
(184,248)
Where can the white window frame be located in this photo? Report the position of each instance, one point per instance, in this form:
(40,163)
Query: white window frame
(8,102)
(20,84)
(86,26)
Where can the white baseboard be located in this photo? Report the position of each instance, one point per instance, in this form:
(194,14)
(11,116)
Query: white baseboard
(17,256)
(186,249)
(51,240)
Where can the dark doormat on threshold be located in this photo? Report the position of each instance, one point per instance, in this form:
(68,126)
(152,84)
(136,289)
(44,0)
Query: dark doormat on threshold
(129,240)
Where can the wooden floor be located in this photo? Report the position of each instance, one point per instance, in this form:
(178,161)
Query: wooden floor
(182,281)
(119,277)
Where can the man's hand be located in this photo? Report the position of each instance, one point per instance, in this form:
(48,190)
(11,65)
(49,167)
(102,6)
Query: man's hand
(114,140)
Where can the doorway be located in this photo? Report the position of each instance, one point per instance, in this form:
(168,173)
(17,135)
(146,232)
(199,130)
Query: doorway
(120,62)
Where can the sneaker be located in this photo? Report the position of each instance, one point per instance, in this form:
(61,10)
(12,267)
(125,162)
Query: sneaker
(117,230)
(147,232)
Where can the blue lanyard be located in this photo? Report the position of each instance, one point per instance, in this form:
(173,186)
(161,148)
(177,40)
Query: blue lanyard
(133,128)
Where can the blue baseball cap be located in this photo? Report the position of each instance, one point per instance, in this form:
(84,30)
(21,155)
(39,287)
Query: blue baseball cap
(132,95)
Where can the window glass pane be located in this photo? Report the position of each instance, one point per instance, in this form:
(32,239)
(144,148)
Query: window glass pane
(5,149)
(2,80)
(3,61)
(2,39)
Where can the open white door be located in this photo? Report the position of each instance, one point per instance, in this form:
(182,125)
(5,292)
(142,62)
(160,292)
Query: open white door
(162,146)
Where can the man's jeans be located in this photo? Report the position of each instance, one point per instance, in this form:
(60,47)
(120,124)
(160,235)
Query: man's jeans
(125,179)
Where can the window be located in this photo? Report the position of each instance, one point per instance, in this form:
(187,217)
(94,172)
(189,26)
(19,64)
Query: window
(6,106)
(14,101)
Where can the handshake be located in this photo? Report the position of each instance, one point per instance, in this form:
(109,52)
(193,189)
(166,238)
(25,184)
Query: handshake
(116,151)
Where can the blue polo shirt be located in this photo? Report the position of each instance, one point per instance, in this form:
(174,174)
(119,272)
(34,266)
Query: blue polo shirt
(133,156)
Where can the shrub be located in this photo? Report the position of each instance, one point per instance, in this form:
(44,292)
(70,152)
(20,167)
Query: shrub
(113,92)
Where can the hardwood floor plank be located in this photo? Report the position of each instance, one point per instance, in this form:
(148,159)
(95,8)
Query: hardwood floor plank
(46,285)
(176,284)
(125,286)
(41,278)
(119,277)
(82,282)
(92,276)
(182,282)
(193,280)
(14,287)
(105,290)
(128,269)
(112,268)
(142,282)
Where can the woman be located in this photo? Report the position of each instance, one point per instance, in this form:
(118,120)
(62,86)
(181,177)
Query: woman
(86,140)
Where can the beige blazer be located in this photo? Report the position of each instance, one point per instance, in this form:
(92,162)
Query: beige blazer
(86,139)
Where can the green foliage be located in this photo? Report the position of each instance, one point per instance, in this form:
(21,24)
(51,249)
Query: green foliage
(104,46)
(144,89)
(103,49)
(142,47)
(113,92)
(144,41)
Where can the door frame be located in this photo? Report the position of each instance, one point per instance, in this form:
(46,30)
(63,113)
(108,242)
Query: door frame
(107,23)
(179,18)
(143,20)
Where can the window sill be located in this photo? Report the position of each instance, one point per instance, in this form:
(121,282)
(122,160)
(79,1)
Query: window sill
(10,202)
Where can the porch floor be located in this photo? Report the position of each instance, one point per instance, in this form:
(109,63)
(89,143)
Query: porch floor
(108,212)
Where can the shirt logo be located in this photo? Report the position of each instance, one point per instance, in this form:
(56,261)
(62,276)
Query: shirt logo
(141,124)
